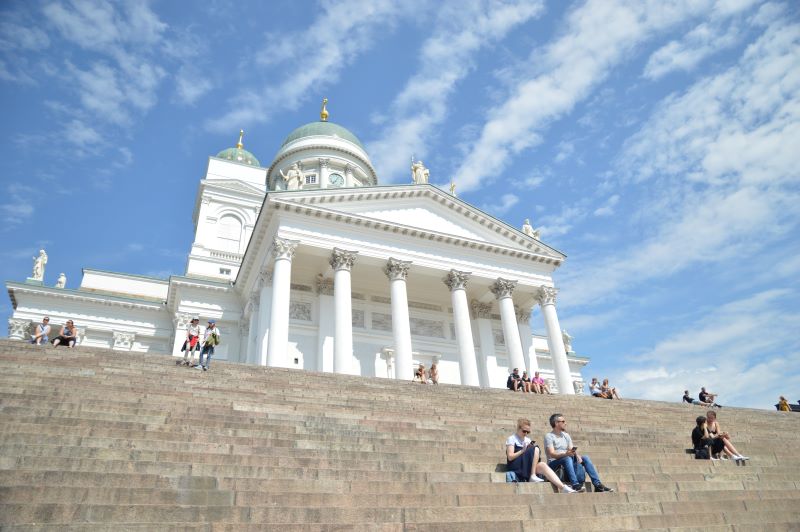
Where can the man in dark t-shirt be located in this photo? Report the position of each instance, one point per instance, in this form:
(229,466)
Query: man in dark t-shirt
(691,400)
(708,397)
(514,380)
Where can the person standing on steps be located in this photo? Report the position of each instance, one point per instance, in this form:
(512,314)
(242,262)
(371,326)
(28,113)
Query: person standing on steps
(522,459)
(192,344)
(562,453)
(434,374)
(211,339)
(42,334)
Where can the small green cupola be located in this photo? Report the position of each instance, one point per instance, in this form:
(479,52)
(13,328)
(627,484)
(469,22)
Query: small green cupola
(239,154)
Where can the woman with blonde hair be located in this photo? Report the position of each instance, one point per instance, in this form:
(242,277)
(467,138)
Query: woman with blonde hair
(522,458)
(611,393)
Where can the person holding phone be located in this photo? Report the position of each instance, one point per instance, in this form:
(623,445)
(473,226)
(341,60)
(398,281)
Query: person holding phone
(522,458)
(561,452)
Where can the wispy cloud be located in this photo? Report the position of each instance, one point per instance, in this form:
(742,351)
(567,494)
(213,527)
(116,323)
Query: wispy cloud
(598,35)
(608,208)
(506,202)
(318,54)
(446,58)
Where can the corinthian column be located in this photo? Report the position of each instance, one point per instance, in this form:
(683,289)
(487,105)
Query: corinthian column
(397,271)
(342,263)
(502,290)
(278,341)
(456,281)
(555,342)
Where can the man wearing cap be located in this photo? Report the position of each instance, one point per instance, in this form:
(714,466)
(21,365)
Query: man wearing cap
(211,339)
(192,344)
(42,332)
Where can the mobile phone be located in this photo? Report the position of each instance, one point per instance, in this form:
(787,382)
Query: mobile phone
(574,449)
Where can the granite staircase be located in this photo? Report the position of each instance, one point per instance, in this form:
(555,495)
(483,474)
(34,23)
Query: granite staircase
(94,439)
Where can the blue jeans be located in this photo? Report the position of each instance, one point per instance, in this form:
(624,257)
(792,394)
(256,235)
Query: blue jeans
(208,351)
(568,463)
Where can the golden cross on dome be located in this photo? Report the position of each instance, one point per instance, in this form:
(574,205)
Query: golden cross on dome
(323,115)
(239,144)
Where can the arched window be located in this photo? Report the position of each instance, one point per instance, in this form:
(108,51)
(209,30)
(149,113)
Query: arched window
(229,233)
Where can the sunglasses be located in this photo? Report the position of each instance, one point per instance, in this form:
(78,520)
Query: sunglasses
(526,431)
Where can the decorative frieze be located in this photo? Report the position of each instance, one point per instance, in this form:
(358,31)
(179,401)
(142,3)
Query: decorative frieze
(300,310)
(18,329)
(283,248)
(359,318)
(503,288)
(499,337)
(426,327)
(397,269)
(181,320)
(481,310)
(324,286)
(547,295)
(264,279)
(381,321)
(342,259)
(456,280)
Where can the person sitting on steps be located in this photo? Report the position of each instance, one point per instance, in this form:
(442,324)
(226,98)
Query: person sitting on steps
(419,375)
(715,432)
(525,382)
(708,397)
(514,380)
(596,391)
(42,334)
(68,335)
(539,385)
(691,400)
(562,453)
(610,391)
(522,459)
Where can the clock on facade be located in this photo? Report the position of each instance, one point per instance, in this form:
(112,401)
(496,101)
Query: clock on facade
(336,180)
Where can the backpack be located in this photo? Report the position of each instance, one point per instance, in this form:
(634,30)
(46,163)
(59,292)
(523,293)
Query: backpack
(702,454)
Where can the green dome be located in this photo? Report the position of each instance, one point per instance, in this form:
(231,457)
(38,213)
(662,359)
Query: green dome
(328,129)
(239,155)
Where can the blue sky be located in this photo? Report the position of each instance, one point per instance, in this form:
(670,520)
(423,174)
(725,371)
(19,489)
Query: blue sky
(655,143)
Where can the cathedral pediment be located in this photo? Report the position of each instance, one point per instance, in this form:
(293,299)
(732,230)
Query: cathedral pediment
(417,208)
(234,185)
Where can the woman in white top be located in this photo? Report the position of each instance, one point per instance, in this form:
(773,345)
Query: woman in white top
(522,457)
(192,344)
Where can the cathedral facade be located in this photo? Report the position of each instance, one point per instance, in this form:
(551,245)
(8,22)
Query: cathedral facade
(309,263)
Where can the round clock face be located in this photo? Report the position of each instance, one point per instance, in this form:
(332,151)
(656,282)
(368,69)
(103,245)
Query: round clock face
(336,180)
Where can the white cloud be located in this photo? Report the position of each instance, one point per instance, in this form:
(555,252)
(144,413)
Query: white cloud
(750,340)
(599,35)
(565,149)
(721,169)
(318,54)
(506,202)
(445,60)
(191,84)
(608,208)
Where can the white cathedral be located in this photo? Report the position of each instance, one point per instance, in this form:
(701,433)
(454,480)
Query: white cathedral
(309,263)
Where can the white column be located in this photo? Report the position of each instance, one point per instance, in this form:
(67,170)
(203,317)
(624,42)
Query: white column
(342,263)
(326,332)
(349,180)
(456,281)
(526,335)
(397,271)
(547,299)
(181,320)
(502,290)
(19,330)
(487,356)
(323,171)
(278,341)
(252,311)
(264,318)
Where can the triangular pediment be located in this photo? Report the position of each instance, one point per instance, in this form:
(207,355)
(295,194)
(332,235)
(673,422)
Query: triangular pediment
(419,207)
(235,185)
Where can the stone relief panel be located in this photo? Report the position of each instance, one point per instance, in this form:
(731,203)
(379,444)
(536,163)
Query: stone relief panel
(18,329)
(123,341)
(381,321)
(300,310)
(426,327)
(578,385)
(499,337)
(359,319)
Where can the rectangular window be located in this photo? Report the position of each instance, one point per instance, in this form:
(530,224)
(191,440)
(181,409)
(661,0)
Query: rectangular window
(225,271)
(311,179)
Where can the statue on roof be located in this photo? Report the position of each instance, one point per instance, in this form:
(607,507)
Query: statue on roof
(62,281)
(293,177)
(38,265)
(567,341)
(528,229)
(419,174)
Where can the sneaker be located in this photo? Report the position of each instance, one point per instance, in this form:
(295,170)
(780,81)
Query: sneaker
(600,488)
(535,478)
(714,459)
(742,458)
(205,368)
(567,489)
(198,367)
(579,488)
(178,362)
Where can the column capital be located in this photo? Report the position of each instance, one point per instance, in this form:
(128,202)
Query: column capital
(456,280)
(323,161)
(341,259)
(547,295)
(522,315)
(324,286)
(503,288)
(251,306)
(283,248)
(397,269)
(481,310)
(123,341)
(264,279)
